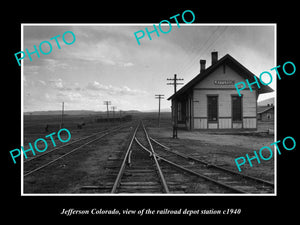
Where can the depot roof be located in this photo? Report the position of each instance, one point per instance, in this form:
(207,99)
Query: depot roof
(230,61)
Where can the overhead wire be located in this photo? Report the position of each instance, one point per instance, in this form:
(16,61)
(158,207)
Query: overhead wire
(209,44)
(195,51)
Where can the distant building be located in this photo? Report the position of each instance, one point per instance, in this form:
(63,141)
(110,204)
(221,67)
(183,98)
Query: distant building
(269,101)
(211,101)
(265,113)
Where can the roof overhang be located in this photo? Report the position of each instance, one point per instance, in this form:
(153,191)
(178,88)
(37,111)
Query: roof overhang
(234,64)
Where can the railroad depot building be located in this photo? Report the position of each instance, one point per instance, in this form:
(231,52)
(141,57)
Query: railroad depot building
(210,100)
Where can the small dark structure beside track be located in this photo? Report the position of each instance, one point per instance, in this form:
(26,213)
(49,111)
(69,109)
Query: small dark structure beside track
(126,118)
(265,113)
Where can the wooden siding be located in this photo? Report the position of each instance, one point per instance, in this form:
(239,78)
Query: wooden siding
(224,93)
(249,103)
(224,99)
(219,74)
(212,125)
(249,123)
(225,123)
(200,123)
(237,125)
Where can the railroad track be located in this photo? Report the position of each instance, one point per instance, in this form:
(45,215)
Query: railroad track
(237,182)
(147,166)
(40,162)
(140,171)
(145,170)
(181,173)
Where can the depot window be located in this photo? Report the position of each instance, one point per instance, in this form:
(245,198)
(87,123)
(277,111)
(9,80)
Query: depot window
(212,108)
(236,108)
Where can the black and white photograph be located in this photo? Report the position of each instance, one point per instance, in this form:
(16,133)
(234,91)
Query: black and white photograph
(173,115)
(144,111)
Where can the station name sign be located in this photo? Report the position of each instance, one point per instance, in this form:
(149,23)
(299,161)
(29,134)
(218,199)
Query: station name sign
(224,82)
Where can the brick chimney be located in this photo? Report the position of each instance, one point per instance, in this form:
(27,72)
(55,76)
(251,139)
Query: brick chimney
(202,65)
(214,57)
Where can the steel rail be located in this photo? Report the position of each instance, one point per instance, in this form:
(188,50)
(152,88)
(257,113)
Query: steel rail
(79,139)
(160,144)
(162,178)
(142,146)
(122,168)
(49,163)
(258,180)
(193,172)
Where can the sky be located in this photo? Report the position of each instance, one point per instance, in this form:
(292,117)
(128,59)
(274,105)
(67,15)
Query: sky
(105,63)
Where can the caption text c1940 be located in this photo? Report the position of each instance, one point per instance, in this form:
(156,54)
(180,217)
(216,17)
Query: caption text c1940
(148,211)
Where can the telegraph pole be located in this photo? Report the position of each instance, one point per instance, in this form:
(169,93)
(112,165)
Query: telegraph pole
(175,79)
(113,109)
(159,97)
(107,103)
(120,116)
(62,115)
(175,110)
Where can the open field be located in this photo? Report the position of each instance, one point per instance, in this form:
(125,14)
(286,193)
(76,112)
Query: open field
(88,166)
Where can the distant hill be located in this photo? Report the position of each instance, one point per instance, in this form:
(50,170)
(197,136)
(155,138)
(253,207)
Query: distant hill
(161,110)
(58,112)
(77,112)
(266,102)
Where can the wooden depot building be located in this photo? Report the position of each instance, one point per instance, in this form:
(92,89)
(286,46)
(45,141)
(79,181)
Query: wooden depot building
(211,101)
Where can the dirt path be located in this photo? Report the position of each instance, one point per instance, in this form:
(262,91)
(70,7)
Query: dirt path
(247,141)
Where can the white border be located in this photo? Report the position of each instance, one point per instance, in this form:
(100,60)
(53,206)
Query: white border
(22,111)
(146,24)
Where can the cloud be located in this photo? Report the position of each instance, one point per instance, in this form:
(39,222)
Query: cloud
(91,92)
(103,51)
(64,96)
(69,96)
(42,82)
(128,64)
(96,86)
(113,90)
(58,84)
(30,69)
(55,65)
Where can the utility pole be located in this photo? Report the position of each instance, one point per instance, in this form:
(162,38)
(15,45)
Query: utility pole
(107,103)
(113,109)
(159,97)
(175,109)
(62,116)
(120,115)
(175,79)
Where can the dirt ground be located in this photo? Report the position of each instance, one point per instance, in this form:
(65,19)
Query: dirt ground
(84,167)
(87,166)
(220,149)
